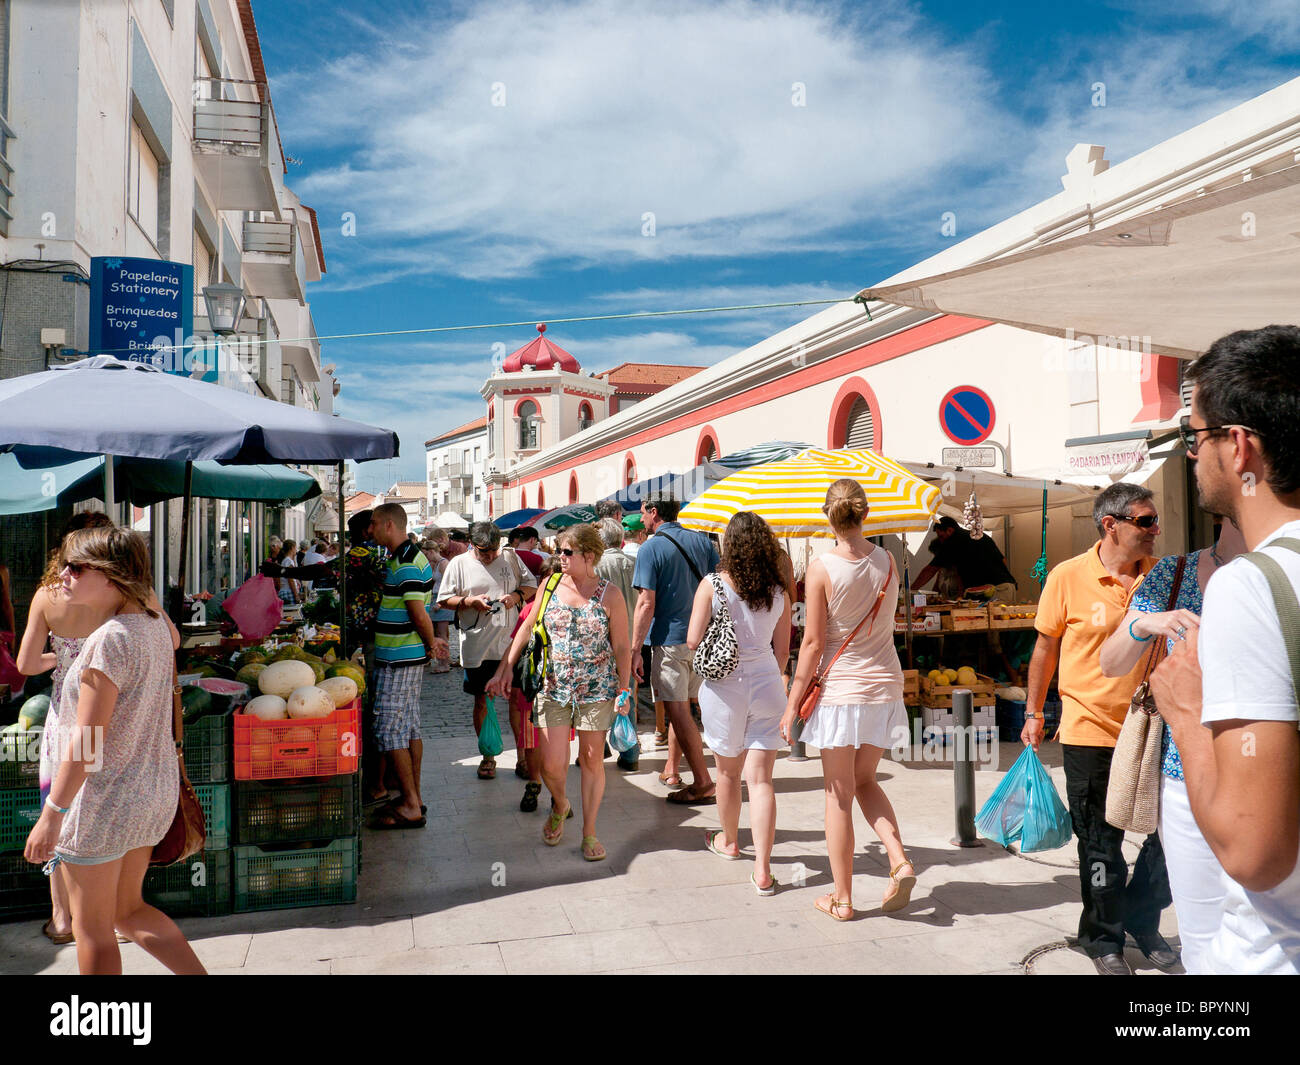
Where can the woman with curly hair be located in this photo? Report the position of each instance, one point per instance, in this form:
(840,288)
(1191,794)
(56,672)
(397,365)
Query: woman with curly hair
(742,713)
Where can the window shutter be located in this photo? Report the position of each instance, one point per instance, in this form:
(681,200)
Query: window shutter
(861,431)
(1184,385)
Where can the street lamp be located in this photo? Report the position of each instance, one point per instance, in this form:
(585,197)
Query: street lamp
(225,304)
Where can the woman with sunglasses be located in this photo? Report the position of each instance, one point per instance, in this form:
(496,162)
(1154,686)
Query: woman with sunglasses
(1195,876)
(590,663)
(115,793)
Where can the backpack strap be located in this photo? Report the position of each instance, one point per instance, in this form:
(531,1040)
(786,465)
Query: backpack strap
(1284,600)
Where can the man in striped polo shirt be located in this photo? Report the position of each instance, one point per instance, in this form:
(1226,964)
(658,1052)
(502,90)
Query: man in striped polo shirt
(404,641)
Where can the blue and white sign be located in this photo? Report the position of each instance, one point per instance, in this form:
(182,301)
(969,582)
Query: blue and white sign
(142,310)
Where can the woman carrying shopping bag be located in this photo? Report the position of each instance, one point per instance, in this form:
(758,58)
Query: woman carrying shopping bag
(586,622)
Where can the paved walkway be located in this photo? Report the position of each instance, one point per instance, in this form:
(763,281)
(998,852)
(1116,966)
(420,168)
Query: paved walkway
(477,891)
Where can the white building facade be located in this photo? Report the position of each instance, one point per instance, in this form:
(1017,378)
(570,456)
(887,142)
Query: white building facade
(455,465)
(144,128)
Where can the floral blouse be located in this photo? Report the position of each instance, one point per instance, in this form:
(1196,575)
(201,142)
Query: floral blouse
(582,657)
(1152,597)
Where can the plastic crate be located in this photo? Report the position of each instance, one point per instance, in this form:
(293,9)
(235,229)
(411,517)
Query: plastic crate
(294,875)
(1011,718)
(206,742)
(215,800)
(277,812)
(283,750)
(24,888)
(20,759)
(199,886)
(20,809)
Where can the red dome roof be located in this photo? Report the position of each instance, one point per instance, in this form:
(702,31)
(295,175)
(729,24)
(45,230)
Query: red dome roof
(542,355)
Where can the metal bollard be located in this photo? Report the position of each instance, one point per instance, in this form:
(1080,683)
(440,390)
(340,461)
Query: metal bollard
(797,752)
(963,769)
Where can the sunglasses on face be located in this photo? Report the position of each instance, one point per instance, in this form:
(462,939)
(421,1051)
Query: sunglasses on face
(1188,432)
(1146,521)
(567,552)
(76,568)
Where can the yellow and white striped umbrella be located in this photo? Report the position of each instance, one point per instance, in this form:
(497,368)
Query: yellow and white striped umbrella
(788,495)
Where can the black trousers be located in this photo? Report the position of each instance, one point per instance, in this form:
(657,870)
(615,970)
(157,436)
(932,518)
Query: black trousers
(1113,902)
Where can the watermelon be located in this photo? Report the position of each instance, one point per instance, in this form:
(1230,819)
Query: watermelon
(33,711)
(195,702)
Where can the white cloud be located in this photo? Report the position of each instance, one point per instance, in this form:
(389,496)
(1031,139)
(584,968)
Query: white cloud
(613,111)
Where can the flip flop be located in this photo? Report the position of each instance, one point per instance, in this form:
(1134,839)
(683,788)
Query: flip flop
(764,891)
(688,797)
(396,821)
(378,800)
(672,780)
(593,850)
(711,841)
(555,825)
(57,939)
(487,769)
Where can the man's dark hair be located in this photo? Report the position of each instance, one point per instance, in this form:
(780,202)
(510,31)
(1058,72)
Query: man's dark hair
(666,508)
(1252,378)
(1114,501)
(609,508)
(512,537)
(946,522)
(358,524)
(458,535)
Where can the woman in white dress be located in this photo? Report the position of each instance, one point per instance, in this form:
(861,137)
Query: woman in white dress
(742,712)
(860,711)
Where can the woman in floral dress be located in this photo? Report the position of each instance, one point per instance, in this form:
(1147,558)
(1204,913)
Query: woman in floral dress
(590,662)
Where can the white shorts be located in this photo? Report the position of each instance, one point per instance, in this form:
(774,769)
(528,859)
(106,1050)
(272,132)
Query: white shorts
(743,712)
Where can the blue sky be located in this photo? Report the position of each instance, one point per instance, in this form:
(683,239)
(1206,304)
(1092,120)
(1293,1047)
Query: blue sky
(500,160)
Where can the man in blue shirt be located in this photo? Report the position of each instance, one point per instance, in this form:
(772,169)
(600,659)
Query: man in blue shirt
(669,568)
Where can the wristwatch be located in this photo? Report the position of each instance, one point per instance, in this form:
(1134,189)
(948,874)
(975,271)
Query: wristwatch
(1037,715)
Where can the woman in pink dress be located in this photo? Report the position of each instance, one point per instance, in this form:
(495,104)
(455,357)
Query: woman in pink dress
(860,711)
(115,793)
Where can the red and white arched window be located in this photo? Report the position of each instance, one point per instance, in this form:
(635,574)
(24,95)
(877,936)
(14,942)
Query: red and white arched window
(541,496)
(855,417)
(523,499)
(573,488)
(586,418)
(629,470)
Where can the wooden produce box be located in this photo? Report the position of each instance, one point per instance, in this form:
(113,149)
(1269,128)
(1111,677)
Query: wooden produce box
(911,682)
(929,623)
(939,696)
(964,618)
(1012,615)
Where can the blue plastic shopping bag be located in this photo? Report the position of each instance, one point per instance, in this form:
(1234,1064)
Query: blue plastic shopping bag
(622,735)
(1025,807)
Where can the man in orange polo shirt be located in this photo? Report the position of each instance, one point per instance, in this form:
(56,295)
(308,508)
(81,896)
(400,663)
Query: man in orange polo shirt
(1082,603)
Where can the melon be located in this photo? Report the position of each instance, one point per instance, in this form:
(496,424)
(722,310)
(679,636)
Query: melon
(249,673)
(33,712)
(284,677)
(317,666)
(310,701)
(347,669)
(268,708)
(341,689)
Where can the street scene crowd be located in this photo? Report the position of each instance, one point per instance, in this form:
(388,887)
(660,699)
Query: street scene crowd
(570,634)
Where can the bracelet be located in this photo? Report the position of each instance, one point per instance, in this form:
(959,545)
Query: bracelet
(1140,639)
(55,807)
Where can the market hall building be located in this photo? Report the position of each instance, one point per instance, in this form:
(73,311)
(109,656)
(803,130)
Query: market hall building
(1112,285)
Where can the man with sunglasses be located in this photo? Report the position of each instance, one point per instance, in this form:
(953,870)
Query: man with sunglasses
(1228,689)
(1082,603)
(485,586)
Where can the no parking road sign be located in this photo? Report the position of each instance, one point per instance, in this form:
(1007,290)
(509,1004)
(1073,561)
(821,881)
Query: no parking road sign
(966,415)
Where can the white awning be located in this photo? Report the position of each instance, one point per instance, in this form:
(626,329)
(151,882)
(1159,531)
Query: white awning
(1182,275)
(999,494)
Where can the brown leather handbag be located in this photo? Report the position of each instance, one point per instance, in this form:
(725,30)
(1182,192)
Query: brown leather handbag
(814,692)
(189,829)
(1133,789)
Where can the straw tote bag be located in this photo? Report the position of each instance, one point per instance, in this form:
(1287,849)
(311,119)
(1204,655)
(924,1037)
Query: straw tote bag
(1133,791)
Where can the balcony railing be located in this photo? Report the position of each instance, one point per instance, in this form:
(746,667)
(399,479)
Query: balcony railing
(230,113)
(269,238)
(449,469)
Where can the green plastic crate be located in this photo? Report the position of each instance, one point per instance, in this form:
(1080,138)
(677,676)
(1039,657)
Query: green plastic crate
(289,811)
(20,759)
(20,809)
(206,744)
(294,875)
(215,800)
(24,888)
(199,886)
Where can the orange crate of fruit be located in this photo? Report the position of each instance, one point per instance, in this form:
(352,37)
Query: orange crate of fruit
(305,747)
(1012,615)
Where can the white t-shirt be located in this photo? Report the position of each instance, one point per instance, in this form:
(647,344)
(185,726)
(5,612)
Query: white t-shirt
(1246,675)
(484,636)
